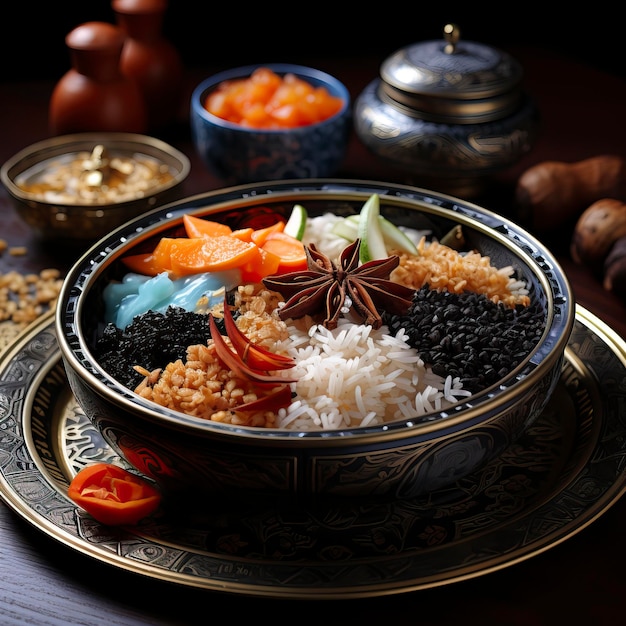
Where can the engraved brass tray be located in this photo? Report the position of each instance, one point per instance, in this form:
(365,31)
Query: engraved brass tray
(561,476)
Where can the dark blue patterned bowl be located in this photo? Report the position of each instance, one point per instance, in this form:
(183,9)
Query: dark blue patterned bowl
(396,459)
(237,154)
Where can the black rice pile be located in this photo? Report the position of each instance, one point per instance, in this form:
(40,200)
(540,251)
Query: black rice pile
(469,336)
(152,340)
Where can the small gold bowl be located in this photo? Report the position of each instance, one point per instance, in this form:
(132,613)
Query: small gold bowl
(82,186)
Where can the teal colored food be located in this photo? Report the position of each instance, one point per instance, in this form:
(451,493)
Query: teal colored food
(137,294)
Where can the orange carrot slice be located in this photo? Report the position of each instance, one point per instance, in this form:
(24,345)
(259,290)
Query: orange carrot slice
(142,264)
(163,252)
(290,250)
(266,265)
(245,234)
(212,247)
(152,263)
(260,235)
(198,227)
(211,254)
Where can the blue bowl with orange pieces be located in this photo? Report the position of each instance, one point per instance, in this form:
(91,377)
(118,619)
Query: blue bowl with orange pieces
(305,145)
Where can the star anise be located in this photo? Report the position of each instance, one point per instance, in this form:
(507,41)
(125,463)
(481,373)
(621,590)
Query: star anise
(324,287)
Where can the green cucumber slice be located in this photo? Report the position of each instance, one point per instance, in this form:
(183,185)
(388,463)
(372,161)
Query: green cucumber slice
(369,231)
(348,229)
(296,224)
(394,238)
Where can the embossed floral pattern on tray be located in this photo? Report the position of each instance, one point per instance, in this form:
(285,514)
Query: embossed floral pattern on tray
(546,487)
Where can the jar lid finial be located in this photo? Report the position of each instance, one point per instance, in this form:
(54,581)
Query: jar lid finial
(451,34)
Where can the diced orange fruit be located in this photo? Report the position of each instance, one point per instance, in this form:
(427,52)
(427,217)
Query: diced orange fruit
(266,100)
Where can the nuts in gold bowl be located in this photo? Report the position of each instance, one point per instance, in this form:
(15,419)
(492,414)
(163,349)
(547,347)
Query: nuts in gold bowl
(80,187)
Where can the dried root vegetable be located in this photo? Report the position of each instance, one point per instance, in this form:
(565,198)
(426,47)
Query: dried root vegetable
(552,193)
(599,241)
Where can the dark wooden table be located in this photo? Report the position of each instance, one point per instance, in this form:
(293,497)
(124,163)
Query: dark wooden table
(581,581)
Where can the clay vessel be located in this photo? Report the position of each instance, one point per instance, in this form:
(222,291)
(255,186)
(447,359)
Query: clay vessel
(150,59)
(94,95)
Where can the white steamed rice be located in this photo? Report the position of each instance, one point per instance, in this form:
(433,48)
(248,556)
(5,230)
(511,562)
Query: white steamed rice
(357,376)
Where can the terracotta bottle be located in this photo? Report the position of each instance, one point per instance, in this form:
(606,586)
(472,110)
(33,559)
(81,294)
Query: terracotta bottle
(94,95)
(150,59)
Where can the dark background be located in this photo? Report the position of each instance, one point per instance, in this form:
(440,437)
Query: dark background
(223,35)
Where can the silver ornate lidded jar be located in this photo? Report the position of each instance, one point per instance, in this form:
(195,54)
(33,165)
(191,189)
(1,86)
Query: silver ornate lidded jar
(450,113)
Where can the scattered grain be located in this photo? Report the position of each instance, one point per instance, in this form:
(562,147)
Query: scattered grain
(24,297)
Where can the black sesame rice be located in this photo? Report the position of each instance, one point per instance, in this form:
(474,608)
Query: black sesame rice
(467,335)
(151,340)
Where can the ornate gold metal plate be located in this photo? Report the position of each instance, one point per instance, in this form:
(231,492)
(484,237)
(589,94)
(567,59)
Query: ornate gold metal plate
(561,476)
